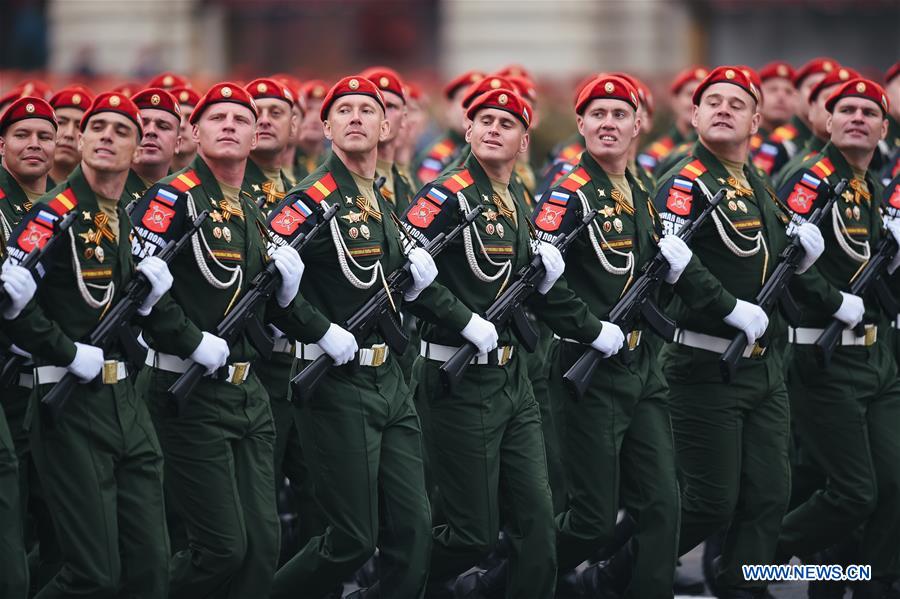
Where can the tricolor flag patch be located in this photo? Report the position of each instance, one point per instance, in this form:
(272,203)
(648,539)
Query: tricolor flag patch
(436,196)
(558,197)
(166,197)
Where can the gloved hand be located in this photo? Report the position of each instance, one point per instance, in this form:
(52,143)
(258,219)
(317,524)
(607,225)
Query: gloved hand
(553,264)
(19,286)
(157,273)
(749,318)
(851,310)
(610,340)
(291,267)
(893,227)
(338,343)
(482,333)
(677,254)
(87,363)
(212,353)
(813,245)
(423,271)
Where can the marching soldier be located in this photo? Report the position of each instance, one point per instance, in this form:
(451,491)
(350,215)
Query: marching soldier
(264,178)
(310,136)
(416,125)
(289,155)
(185,149)
(100,464)
(780,95)
(161,122)
(218,449)
(69,105)
(847,414)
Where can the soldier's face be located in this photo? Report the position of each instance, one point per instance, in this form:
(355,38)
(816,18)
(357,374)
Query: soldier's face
(27,148)
(857,124)
(780,100)
(356,124)
(226,131)
(108,142)
(805,87)
(416,121)
(275,125)
(726,115)
(66,153)
(497,137)
(311,129)
(395,112)
(161,135)
(186,144)
(818,114)
(893,93)
(683,103)
(608,127)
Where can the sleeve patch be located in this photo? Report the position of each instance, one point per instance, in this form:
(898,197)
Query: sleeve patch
(679,201)
(422,213)
(550,217)
(804,195)
(158,216)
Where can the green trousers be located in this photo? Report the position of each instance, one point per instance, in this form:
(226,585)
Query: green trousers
(362,439)
(13,566)
(488,449)
(619,450)
(101,471)
(731,445)
(848,420)
(219,477)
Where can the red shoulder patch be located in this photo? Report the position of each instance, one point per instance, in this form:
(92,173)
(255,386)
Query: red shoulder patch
(550,217)
(34,236)
(287,221)
(158,217)
(679,202)
(802,198)
(422,213)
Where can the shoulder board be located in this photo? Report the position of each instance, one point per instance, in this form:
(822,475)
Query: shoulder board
(63,202)
(784,133)
(442,149)
(458,181)
(823,168)
(755,141)
(562,169)
(185,181)
(575,180)
(321,188)
(570,151)
(661,147)
(692,170)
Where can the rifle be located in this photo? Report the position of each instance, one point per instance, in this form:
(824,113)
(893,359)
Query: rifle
(114,327)
(508,307)
(638,302)
(775,290)
(377,312)
(871,277)
(32,261)
(243,316)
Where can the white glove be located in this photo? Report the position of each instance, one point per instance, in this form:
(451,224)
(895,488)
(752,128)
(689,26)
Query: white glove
(482,333)
(212,353)
(423,271)
(851,310)
(338,343)
(87,363)
(291,267)
(610,340)
(749,318)
(893,227)
(677,254)
(553,264)
(19,286)
(813,245)
(157,273)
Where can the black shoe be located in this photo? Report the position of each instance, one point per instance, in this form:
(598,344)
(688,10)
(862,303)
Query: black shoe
(598,581)
(468,586)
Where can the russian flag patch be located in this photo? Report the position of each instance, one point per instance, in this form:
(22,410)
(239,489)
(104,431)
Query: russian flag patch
(166,197)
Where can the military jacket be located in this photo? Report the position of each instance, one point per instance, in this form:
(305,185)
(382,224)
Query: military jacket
(438,156)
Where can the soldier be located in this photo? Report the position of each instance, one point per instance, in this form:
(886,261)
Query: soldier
(69,105)
(848,414)
(186,149)
(100,465)
(289,156)
(161,122)
(889,147)
(780,97)
(359,427)
(264,178)
(416,125)
(310,135)
(218,449)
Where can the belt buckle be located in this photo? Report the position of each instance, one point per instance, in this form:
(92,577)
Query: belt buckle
(379,354)
(757,350)
(871,335)
(634,339)
(240,372)
(110,372)
(505,353)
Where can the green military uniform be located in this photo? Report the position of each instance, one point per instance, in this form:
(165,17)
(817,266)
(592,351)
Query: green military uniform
(304,164)
(618,438)
(653,154)
(135,187)
(100,466)
(783,144)
(438,156)
(813,146)
(731,440)
(218,452)
(847,415)
(486,433)
(569,150)
(359,429)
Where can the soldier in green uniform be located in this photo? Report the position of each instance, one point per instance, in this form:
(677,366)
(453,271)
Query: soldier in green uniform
(310,136)
(186,149)
(219,448)
(289,155)
(264,178)
(777,87)
(69,104)
(161,121)
(847,415)
(359,428)
(100,465)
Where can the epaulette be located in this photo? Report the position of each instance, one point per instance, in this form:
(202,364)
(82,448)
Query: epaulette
(756,141)
(575,180)
(433,163)
(783,133)
(321,188)
(185,181)
(765,157)
(63,202)
(458,181)
(692,170)
(823,168)
(562,170)
(570,152)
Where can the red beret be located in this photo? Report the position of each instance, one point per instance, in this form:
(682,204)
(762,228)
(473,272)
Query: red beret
(502,99)
(735,75)
(464,80)
(514,70)
(270,88)
(293,84)
(27,107)
(314,89)
(485,85)
(350,86)
(225,91)
(31,87)
(524,87)
(127,89)
(835,77)
(113,102)
(643,91)
(859,88)
(694,73)
(158,98)
(892,72)
(387,80)
(751,74)
(609,87)
(73,96)
(186,96)
(816,65)
(776,69)
(414,90)
(169,81)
